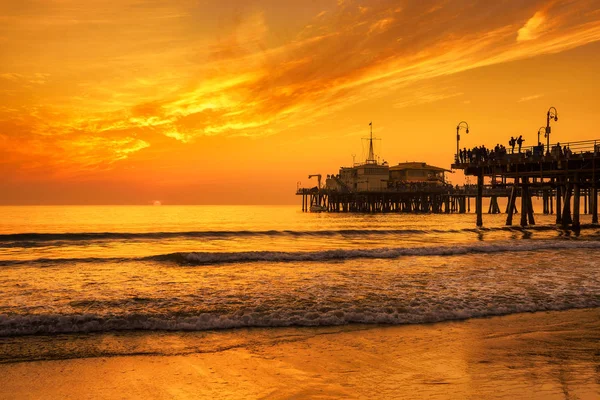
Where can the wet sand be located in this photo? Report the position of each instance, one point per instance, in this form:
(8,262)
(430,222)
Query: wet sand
(546,355)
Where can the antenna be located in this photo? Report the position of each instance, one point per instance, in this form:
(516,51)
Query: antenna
(371,154)
(353,159)
(371,157)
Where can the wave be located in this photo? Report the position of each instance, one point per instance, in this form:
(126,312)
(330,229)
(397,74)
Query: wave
(42,239)
(207,258)
(93,236)
(46,324)
(216,258)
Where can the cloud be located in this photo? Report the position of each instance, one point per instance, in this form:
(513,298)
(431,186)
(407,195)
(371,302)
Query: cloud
(427,95)
(236,74)
(11,76)
(35,78)
(381,25)
(533,28)
(529,98)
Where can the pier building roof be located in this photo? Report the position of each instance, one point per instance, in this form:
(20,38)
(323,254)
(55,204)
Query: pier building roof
(418,166)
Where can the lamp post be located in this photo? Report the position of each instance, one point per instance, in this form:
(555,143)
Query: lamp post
(552,114)
(542,129)
(461,124)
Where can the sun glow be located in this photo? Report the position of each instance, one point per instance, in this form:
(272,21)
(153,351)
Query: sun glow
(160,96)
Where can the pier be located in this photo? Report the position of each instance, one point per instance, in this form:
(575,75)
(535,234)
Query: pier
(409,187)
(565,180)
(564,176)
(414,200)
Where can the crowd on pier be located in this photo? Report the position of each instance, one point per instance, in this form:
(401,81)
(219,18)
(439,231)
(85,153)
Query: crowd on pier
(483,154)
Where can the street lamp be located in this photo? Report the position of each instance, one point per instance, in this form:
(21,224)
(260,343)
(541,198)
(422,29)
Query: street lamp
(461,124)
(552,114)
(542,129)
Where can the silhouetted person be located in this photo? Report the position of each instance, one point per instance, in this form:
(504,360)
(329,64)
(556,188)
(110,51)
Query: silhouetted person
(520,141)
(539,149)
(512,143)
(567,151)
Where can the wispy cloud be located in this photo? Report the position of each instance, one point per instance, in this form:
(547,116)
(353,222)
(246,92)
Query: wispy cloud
(427,95)
(529,98)
(182,80)
(533,28)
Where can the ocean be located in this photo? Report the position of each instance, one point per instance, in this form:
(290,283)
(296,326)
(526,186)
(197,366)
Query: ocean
(76,280)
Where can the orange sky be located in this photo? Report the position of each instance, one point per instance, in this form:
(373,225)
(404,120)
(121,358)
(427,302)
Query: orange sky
(218,102)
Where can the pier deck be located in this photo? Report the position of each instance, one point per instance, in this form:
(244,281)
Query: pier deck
(562,178)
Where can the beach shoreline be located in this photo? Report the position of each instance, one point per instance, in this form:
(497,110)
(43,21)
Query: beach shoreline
(547,355)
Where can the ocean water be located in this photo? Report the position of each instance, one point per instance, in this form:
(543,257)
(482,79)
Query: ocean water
(75,272)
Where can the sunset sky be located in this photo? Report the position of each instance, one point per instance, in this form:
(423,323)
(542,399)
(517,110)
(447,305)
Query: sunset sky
(234,102)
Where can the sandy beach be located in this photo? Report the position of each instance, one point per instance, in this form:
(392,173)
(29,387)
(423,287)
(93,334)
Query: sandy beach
(545,355)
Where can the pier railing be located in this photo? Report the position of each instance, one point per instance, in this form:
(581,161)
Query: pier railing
(577,149)
(498,188)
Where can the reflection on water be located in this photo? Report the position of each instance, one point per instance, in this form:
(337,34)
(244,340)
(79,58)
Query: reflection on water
(127,272)
(549,355)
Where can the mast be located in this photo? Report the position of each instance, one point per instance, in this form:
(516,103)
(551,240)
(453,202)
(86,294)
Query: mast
(371,157)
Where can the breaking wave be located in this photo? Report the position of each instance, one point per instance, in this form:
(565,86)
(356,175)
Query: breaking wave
(203,258)
(216,258)
(17,325)
(42,239)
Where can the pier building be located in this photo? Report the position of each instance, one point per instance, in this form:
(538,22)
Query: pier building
(417,172)
(376,187)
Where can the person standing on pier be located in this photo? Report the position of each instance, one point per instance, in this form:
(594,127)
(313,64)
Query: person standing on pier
(512,143)
(568,152)
(520,141)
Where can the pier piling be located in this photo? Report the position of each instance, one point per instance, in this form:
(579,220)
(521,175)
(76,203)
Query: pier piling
(576,205)
(479,200)
(560,177)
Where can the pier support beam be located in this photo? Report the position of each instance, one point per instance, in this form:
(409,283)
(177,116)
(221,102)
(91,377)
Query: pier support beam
(566,214)
(479,200)
(558,203)
(510,208)
(529,203)
(594,204)
(526,205)
(494,208)
(576,205)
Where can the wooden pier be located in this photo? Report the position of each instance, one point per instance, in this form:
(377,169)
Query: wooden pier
(564,180)
(423,200)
